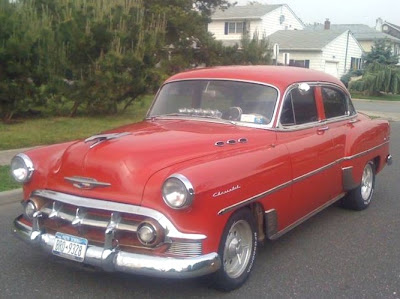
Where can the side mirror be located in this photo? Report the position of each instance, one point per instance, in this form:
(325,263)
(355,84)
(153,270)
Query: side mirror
(303,88)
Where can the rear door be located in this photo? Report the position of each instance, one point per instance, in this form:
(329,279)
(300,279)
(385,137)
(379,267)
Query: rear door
(340,117)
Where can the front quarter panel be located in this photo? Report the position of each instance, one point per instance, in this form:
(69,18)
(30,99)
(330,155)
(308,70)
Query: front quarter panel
(45,160)
(222,183)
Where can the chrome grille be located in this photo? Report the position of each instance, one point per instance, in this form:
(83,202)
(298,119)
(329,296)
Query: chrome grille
(110,224)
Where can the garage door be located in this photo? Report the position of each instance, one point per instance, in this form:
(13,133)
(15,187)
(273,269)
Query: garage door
(331,68)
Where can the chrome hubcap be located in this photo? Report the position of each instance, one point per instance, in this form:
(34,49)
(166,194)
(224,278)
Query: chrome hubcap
(238,248)
(367,183)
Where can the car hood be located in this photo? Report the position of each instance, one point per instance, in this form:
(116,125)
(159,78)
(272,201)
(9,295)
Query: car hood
(122,165)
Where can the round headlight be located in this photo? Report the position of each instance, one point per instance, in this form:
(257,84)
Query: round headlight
(30,209)
(178,192)
(22,168)
(146,234)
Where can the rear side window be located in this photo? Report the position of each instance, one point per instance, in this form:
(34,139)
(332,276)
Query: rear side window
(336,103)
(299,108)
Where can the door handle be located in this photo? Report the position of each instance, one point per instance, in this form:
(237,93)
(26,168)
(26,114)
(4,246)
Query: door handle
(352,121)
(323,129)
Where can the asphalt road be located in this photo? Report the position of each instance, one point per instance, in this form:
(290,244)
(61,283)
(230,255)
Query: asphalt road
(335,254)
(382,106)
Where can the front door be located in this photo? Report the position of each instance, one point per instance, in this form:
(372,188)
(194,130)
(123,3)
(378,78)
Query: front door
(311,150)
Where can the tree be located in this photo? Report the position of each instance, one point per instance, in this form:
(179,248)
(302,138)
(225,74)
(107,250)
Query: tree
(93,54)
(378,78)
(381,52)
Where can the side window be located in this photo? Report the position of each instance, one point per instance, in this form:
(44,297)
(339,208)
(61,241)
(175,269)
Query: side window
(299,108)
(335,102)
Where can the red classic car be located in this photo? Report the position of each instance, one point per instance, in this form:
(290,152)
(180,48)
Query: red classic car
(226,158)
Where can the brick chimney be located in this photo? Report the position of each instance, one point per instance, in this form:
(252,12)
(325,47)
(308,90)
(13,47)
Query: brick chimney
(327,24)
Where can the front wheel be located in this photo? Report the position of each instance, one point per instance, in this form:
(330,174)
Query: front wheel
(237,251)
(360,197)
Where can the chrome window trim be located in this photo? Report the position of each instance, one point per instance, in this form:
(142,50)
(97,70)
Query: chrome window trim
(347,98)
(280,127)
(295,180)
(243,124)
(91,203)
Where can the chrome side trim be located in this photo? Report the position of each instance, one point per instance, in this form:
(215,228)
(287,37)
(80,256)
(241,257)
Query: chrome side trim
(116,260)
(295,180)
(254,198)
(306,217)
(118,207)
(366,151)
(311,173)
(347,179)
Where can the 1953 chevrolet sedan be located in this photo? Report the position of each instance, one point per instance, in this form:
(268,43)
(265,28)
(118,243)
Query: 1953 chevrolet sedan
(225,159)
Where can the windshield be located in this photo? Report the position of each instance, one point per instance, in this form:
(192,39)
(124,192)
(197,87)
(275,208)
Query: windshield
(226,100)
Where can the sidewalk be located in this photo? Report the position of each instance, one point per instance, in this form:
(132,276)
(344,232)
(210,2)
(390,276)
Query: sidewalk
(6,156)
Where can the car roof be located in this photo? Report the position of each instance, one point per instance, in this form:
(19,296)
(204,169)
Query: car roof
(279,76)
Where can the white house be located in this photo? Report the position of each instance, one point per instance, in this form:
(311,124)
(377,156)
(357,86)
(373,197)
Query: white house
(364,34)
(334,52)
(229,25)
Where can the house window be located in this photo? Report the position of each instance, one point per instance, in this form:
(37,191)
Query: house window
(300,63)
(356,63)
(234,27)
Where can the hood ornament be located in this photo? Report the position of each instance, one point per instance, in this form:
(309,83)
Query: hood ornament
(104,137)
(86,183)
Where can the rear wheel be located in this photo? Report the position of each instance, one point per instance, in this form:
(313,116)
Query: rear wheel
(237,251)
(360,197)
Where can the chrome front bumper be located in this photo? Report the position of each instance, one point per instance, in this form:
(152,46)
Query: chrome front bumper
(116,260)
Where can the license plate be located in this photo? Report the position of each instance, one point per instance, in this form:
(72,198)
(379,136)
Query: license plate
(70,247)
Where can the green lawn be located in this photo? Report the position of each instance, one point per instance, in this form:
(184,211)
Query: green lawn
(6,181)
(383,97)
(39,131)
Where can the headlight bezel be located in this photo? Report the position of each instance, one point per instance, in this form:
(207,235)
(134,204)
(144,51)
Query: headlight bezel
(27,165)
(187,186)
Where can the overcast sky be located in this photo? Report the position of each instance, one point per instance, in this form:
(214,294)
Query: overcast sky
(341,11)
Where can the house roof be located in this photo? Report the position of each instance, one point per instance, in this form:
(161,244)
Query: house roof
(393,25)
(360,31)
(254,11)
(304,39)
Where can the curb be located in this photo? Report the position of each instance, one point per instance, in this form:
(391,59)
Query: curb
(11,196)
(376,101)
(384,115)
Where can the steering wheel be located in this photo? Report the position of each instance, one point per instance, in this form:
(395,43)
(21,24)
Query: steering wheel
(234,113)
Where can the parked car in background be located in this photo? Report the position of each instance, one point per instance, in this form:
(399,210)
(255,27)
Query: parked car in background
(226,158)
